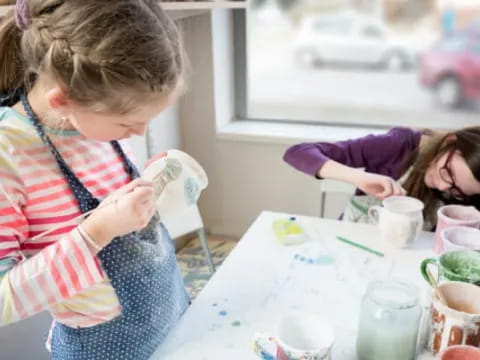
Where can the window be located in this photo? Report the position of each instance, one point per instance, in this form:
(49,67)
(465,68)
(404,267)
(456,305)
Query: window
(372,31)
(362,62)
(475,47)
(453,44)
(330,26)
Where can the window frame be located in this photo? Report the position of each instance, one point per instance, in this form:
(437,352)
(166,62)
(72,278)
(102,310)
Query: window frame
(340,117)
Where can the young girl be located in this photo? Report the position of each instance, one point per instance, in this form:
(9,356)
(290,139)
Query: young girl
(432,166)
(79,76)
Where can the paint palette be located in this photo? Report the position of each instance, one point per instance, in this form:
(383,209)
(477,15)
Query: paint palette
(288,231)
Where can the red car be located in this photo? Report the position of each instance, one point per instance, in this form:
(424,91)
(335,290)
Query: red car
(452,68)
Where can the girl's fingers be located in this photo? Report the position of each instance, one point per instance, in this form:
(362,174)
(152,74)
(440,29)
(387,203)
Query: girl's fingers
(142,182)
(398,189)
(141,195)
(132,186)
(387,189)
(127,188)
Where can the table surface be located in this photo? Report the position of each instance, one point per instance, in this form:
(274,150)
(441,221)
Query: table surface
(262,279)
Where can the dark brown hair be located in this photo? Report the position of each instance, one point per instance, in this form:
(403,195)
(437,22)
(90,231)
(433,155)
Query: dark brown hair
(101,52)
(466,141)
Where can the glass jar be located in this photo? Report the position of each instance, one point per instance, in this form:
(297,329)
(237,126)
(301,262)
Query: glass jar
(389,321)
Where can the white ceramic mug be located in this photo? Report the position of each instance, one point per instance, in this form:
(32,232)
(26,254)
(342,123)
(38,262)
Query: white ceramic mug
(400,219)
(460,238)
(297,336)
(177,180)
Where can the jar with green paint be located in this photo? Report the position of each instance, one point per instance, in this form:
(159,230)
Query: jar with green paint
(389,321)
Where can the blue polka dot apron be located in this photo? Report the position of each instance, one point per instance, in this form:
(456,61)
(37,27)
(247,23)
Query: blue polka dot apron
(142,269)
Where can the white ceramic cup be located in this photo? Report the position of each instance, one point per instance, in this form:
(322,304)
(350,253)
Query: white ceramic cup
(460,238)
(400,219)
(178,181)
(297,336)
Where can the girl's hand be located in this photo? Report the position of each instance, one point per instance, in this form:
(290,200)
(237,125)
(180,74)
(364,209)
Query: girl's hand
(128,209)
(378,186)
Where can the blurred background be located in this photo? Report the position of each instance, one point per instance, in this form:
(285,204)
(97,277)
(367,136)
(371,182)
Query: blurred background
(416,59)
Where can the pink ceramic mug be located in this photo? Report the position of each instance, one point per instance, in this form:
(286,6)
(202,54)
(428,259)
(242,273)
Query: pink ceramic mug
(460,238)
(455,215)
(461,352)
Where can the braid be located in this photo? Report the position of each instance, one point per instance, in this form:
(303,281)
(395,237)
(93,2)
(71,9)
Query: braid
(22,14)
(99,50)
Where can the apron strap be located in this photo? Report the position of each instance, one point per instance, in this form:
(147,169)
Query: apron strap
(129,166)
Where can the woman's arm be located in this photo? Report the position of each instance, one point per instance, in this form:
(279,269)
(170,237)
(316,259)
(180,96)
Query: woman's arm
(383,154)
(376,185)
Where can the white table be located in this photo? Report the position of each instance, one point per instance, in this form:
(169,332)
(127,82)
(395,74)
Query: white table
(261,279)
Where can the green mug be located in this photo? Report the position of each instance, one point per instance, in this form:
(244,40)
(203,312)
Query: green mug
(461,265)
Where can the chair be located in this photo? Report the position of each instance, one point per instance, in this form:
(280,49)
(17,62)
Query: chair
(188,222)
(333,186)
(26,339)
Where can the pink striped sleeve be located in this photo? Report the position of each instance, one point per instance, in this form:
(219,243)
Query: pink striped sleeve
(58,272)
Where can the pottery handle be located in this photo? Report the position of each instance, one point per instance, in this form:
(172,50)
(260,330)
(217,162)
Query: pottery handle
(374,214)
(423,268)
(264,346)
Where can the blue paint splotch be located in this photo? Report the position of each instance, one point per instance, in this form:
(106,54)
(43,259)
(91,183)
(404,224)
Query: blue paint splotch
(266,356)
(223,313)
(320,260)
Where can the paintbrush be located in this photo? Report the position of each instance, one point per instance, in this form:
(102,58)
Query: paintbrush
(360,246)
(437,289)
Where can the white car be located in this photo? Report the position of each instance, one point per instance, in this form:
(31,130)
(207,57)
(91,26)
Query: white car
(351,39)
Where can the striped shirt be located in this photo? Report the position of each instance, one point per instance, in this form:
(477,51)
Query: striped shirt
(56,272)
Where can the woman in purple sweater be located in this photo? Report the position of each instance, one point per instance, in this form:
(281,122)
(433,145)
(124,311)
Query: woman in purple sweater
(432,166)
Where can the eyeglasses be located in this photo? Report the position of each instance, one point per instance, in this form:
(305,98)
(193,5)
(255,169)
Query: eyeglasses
(447,176)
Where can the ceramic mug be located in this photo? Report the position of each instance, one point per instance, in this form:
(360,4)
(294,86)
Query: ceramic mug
(461,352)
(454,215)
(297,336)
(460,265)
(460,238)
(400,219)
(459,322)
(178,181)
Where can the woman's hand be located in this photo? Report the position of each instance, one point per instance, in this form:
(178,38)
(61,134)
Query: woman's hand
(128,209)
(378,186)
(375,185)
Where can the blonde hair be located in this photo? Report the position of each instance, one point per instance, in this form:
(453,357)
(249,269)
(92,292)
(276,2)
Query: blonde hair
(112,54)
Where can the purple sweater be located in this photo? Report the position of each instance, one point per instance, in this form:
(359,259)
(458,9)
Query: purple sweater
(380,154)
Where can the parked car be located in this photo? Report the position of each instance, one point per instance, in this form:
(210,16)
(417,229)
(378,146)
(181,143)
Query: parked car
(350,39)
(452,69)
